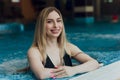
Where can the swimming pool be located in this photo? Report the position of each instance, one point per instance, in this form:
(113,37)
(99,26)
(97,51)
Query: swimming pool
(99,40)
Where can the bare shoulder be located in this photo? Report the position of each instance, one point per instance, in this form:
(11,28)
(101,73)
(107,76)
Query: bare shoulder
(73,48)
(70,45)
(34,52)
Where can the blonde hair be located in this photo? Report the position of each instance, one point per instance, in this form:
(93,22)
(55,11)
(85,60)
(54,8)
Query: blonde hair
(40,40)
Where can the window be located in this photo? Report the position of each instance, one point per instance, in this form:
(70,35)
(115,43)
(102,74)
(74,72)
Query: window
(108,1)
(15,1)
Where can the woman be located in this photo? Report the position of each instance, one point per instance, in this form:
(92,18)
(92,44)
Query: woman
(50,54)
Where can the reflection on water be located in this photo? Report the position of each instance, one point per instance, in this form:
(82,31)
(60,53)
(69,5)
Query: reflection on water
(96,42)
(10,67)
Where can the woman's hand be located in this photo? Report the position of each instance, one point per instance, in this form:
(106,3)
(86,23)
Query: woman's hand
(62,71)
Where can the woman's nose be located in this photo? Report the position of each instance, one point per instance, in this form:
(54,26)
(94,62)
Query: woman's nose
(55,24)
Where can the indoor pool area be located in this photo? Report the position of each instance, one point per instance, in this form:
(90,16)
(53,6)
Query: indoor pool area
(100,40)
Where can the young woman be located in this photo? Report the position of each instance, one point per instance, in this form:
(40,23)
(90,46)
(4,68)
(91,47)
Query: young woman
(50,53)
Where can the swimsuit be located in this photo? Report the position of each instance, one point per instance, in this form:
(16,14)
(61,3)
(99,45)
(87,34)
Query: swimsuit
(66,59)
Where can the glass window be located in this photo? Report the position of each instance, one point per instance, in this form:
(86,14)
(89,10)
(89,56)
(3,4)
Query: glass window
(15,1)
(108,1)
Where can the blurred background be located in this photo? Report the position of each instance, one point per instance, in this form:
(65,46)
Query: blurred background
(91,10)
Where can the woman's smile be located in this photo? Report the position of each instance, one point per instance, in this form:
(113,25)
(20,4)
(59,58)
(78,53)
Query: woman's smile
(54,24)
(55,31)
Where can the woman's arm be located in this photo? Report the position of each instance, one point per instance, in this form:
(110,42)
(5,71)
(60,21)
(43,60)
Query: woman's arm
(35,62)
(88,63)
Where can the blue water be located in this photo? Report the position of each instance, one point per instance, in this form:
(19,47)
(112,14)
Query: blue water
(101,41)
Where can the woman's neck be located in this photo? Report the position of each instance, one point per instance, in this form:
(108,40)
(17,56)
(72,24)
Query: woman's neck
(52,42)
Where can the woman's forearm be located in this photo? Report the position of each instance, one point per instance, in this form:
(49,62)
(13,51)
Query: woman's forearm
(45,73)
(86,67)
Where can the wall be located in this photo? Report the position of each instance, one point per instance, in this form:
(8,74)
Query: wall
(27,9)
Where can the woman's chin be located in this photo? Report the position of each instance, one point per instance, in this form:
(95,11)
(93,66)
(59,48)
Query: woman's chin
(55,36)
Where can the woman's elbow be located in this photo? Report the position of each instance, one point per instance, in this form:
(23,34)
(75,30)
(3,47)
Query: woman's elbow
(96,64)
(41,76)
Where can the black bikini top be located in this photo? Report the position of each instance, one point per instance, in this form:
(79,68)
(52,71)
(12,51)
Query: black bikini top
(66,58)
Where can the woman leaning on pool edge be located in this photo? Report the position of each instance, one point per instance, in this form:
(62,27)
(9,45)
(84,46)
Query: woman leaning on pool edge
(50,53)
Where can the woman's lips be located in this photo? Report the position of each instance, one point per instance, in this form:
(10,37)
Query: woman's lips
(55,31)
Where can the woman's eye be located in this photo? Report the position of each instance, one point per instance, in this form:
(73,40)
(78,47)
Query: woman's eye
(59,20)
(49,21)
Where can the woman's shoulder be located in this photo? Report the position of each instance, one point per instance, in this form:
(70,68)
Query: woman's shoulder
(33,51)
(73,48)
(71,45)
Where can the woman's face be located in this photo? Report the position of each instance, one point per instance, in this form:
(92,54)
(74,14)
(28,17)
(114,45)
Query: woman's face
(54,25)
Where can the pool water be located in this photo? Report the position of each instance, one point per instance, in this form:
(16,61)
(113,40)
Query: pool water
(100,40)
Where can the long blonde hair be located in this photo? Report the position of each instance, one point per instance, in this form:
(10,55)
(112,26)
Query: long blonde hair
(40,40)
